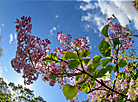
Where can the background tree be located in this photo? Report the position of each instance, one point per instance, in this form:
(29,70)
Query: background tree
(12,93)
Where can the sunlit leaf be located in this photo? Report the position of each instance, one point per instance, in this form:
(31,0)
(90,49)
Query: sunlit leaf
(85,87)
(91,68)
(69,55)
(106,77)
(96,59)
(53,78)
(92,100)
(105,62)
(121,75)
(104,48)
(86,61)
(77,78)
(83,80)
(116,41)
(70,91)
(122,63)
(73,64)
(51,58)
(109,68)
(100,73)
(105,30)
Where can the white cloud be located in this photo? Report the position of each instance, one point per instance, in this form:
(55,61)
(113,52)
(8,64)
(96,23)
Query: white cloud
(100,35)
(84,0)
(56,16)
(87,26)
(95,19)
(87,7)
(58,26)
(123,10)
(100,22)
(51,31)
(0,29)
(87,38)
(11,38)
(5,69)
(2,25)
(15,35)
(54,28)
(87,18)
(95,30)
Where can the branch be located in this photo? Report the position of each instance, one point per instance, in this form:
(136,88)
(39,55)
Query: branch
(84,72)
(67,74)
(95,89)
(62,60)
(30,58)
(116,67)
(132,33)
(80,61)
(103,84)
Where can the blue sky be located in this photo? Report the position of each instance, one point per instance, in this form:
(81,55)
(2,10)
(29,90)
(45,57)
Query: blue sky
(78,18)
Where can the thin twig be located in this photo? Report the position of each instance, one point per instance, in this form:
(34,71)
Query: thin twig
(103,84)
(95,89)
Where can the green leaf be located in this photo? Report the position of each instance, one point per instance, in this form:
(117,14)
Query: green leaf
(70,91)
(53,78)
(86,61)
(73,64)
(127,100)
(92,100)
(105,30)
(83,80)
(51,58)
(100,73)
(106,77)
(109,68)
(91,68)
(97,70)
(77,78)
(105,62)
(85,53)
(122,63)
(44,79)
(85,87)
(116,41)
(114,69)
(69,55)
(107,53)
(104,48)
(121,75)
(106,45)
(96,59)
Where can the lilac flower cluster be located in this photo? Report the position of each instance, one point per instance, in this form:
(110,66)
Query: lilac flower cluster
(135,4)
(29,51)
(120,33)
(68,44)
